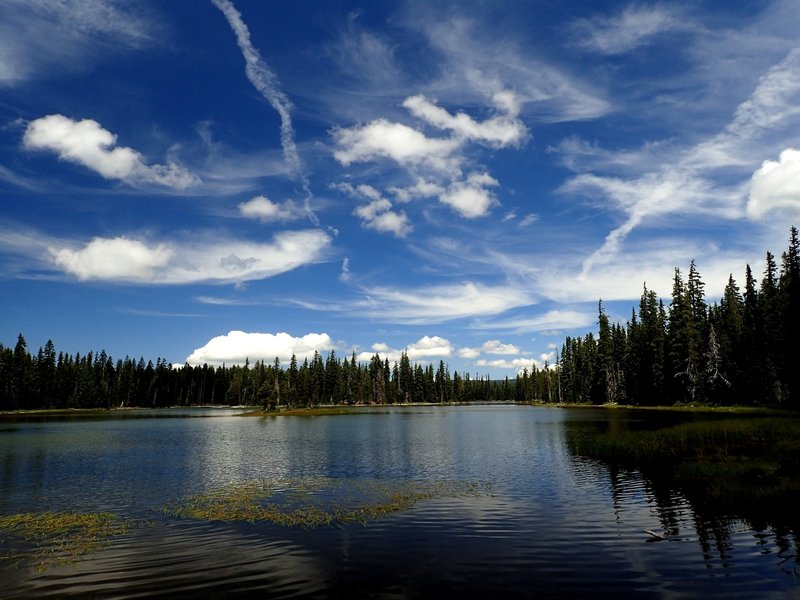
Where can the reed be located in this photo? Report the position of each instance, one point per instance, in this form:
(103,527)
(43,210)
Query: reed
(741,464)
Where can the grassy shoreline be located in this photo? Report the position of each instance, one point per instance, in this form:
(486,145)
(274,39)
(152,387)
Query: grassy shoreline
(339,409)
(748,465)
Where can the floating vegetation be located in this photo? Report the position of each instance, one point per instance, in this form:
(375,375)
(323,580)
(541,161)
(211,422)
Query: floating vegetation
(311,503)
(53,538)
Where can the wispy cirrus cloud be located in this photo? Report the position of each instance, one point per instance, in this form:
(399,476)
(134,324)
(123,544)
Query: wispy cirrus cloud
(709,179)
(264,80)
(633,26)
(88,144)
(43,37)
(439,303)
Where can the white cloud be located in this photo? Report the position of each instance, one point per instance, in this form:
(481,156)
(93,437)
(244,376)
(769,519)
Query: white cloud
(528,219)
(471,198)
(440,303)
(377,214)
(481,61)
(469,352)
(709,179)
(629,29)
(776,186)
(498,347)
(264,80)
(503,363)
(264,209)
(500,131)
(115,259)
(421,189)
(422,350)
(86,143)
(400,143)
(134,261)
(344,274)
(551,320)
(45,36)
(238,346)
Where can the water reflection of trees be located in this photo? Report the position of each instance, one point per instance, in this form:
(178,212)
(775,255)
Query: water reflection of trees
(690,512)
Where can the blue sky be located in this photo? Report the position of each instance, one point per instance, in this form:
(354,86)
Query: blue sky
(204,181)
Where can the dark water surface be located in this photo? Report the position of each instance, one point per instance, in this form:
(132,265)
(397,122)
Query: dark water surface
(548,525)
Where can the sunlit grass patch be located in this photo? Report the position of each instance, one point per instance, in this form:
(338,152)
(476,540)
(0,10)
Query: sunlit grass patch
(311,503)
(53,538)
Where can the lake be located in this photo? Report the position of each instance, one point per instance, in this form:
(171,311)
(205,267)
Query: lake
(535,521)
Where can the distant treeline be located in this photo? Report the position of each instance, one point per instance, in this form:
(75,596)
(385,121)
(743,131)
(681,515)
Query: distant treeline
(48,380)
(745,349)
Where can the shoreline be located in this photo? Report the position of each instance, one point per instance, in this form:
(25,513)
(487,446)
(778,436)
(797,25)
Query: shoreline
(336,409)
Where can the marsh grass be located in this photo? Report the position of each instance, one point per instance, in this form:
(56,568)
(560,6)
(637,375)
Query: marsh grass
(53,538)
(311,503)
(742,464)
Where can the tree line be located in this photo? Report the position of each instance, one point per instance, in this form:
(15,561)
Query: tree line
(743,349)
(50,380)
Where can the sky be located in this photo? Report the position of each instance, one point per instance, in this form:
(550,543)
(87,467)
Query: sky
(209,181)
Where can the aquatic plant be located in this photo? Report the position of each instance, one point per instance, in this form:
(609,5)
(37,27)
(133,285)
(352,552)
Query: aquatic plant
(314,502)
(745,465)
(54,538)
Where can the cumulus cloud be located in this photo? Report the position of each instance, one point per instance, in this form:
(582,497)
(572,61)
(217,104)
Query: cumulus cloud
(377,214)
(238,346)
(129,260)
(631,28)
(420,189)
(435,163)
(776,186)
(113,258)
(396,141)
(504,363)
(264,209)
(498,347)
(489,347)
(471,198)
(469,353)
(422,350)
(87,143)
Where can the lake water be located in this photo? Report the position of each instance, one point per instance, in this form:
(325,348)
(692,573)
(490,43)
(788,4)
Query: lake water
(543,524)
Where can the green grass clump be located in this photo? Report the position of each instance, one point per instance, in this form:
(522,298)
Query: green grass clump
(54,538)
(312,503)
(742,465)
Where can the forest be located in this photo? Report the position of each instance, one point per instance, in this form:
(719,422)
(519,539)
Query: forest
(741,350)
(49,381)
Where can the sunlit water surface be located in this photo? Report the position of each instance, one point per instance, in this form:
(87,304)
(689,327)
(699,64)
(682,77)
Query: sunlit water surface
(548,525)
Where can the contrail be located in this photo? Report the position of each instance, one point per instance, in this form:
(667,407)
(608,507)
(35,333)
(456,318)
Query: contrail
(266,82)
